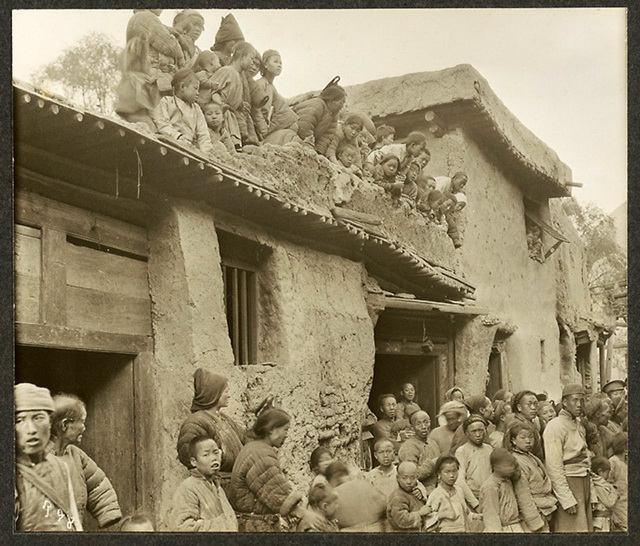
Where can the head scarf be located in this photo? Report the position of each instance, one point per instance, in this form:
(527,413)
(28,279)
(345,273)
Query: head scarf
(29,397)
(207,389)
(449,393)
(457,407)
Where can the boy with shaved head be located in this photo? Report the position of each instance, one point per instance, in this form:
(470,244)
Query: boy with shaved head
(404,511)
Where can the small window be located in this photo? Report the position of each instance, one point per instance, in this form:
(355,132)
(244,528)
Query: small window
(240,296)
(241,259)
(542,239)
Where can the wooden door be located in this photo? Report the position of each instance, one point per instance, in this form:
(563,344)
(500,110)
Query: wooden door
(105,382)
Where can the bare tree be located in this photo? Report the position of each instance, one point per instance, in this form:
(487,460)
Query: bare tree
(86,72)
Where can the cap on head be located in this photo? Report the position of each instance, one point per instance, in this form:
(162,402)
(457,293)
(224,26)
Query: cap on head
(572,388)
(615,385)
(30,397)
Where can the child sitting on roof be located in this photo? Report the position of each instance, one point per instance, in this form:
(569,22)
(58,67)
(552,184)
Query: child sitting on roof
(188,26)
(410,188)
(346,133)
(426,184)
(220,138)
(230,81)
(149,60)
(205,66)
(276,122)
(416,143)
(180,117)
(347,155)
(384,175)
(318,116)
(228,37)
(384,136)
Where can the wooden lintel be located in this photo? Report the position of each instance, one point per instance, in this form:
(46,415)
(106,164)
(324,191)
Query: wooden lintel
(60,337)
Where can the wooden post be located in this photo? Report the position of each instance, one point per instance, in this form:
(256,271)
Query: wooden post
(54,277)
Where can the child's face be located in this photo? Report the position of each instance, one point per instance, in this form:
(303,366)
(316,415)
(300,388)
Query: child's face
(390,168)
(368,169)
(409,392)
(273,66)
(188,90)
(247,62)
(475,433)
(197,27)
(547,412)
(407,479)
(604,473)
(523,440)
(458,183)
(324,461)
(448,473)
(213,115)
(347,157)
(385,455)
(413,172)
(424,158)
(330,507)
(212,64)
(387,140)
(351,131)
(255,67)
(414,149)
(208,458)
(505,469)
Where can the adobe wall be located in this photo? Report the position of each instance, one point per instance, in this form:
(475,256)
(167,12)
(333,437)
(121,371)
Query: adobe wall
(518,291)
(316,351)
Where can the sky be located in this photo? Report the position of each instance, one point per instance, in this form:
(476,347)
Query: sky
(562,72)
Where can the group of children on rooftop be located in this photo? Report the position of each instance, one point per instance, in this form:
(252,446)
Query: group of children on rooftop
(211,100)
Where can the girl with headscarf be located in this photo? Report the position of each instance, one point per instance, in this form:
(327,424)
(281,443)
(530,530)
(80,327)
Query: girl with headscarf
(206,419)
(319,115)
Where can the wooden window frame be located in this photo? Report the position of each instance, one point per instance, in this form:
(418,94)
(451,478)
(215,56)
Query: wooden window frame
(241,291)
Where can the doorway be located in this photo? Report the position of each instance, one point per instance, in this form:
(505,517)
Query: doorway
(392,371)
(105,382)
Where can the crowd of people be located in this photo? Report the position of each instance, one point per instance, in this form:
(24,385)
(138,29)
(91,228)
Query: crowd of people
(214,102)
(517,463)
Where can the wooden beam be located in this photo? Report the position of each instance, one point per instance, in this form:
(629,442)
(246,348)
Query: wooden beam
(61,337)
(129,210)
(54,277)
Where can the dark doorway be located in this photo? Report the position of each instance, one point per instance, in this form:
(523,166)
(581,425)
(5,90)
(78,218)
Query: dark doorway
(105,382)
(495,382)
(583,364)
(392,371)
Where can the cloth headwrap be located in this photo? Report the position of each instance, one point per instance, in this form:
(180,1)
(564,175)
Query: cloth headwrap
(454,406)
(29,397)
(449,393)
(229,30)
(207,389)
